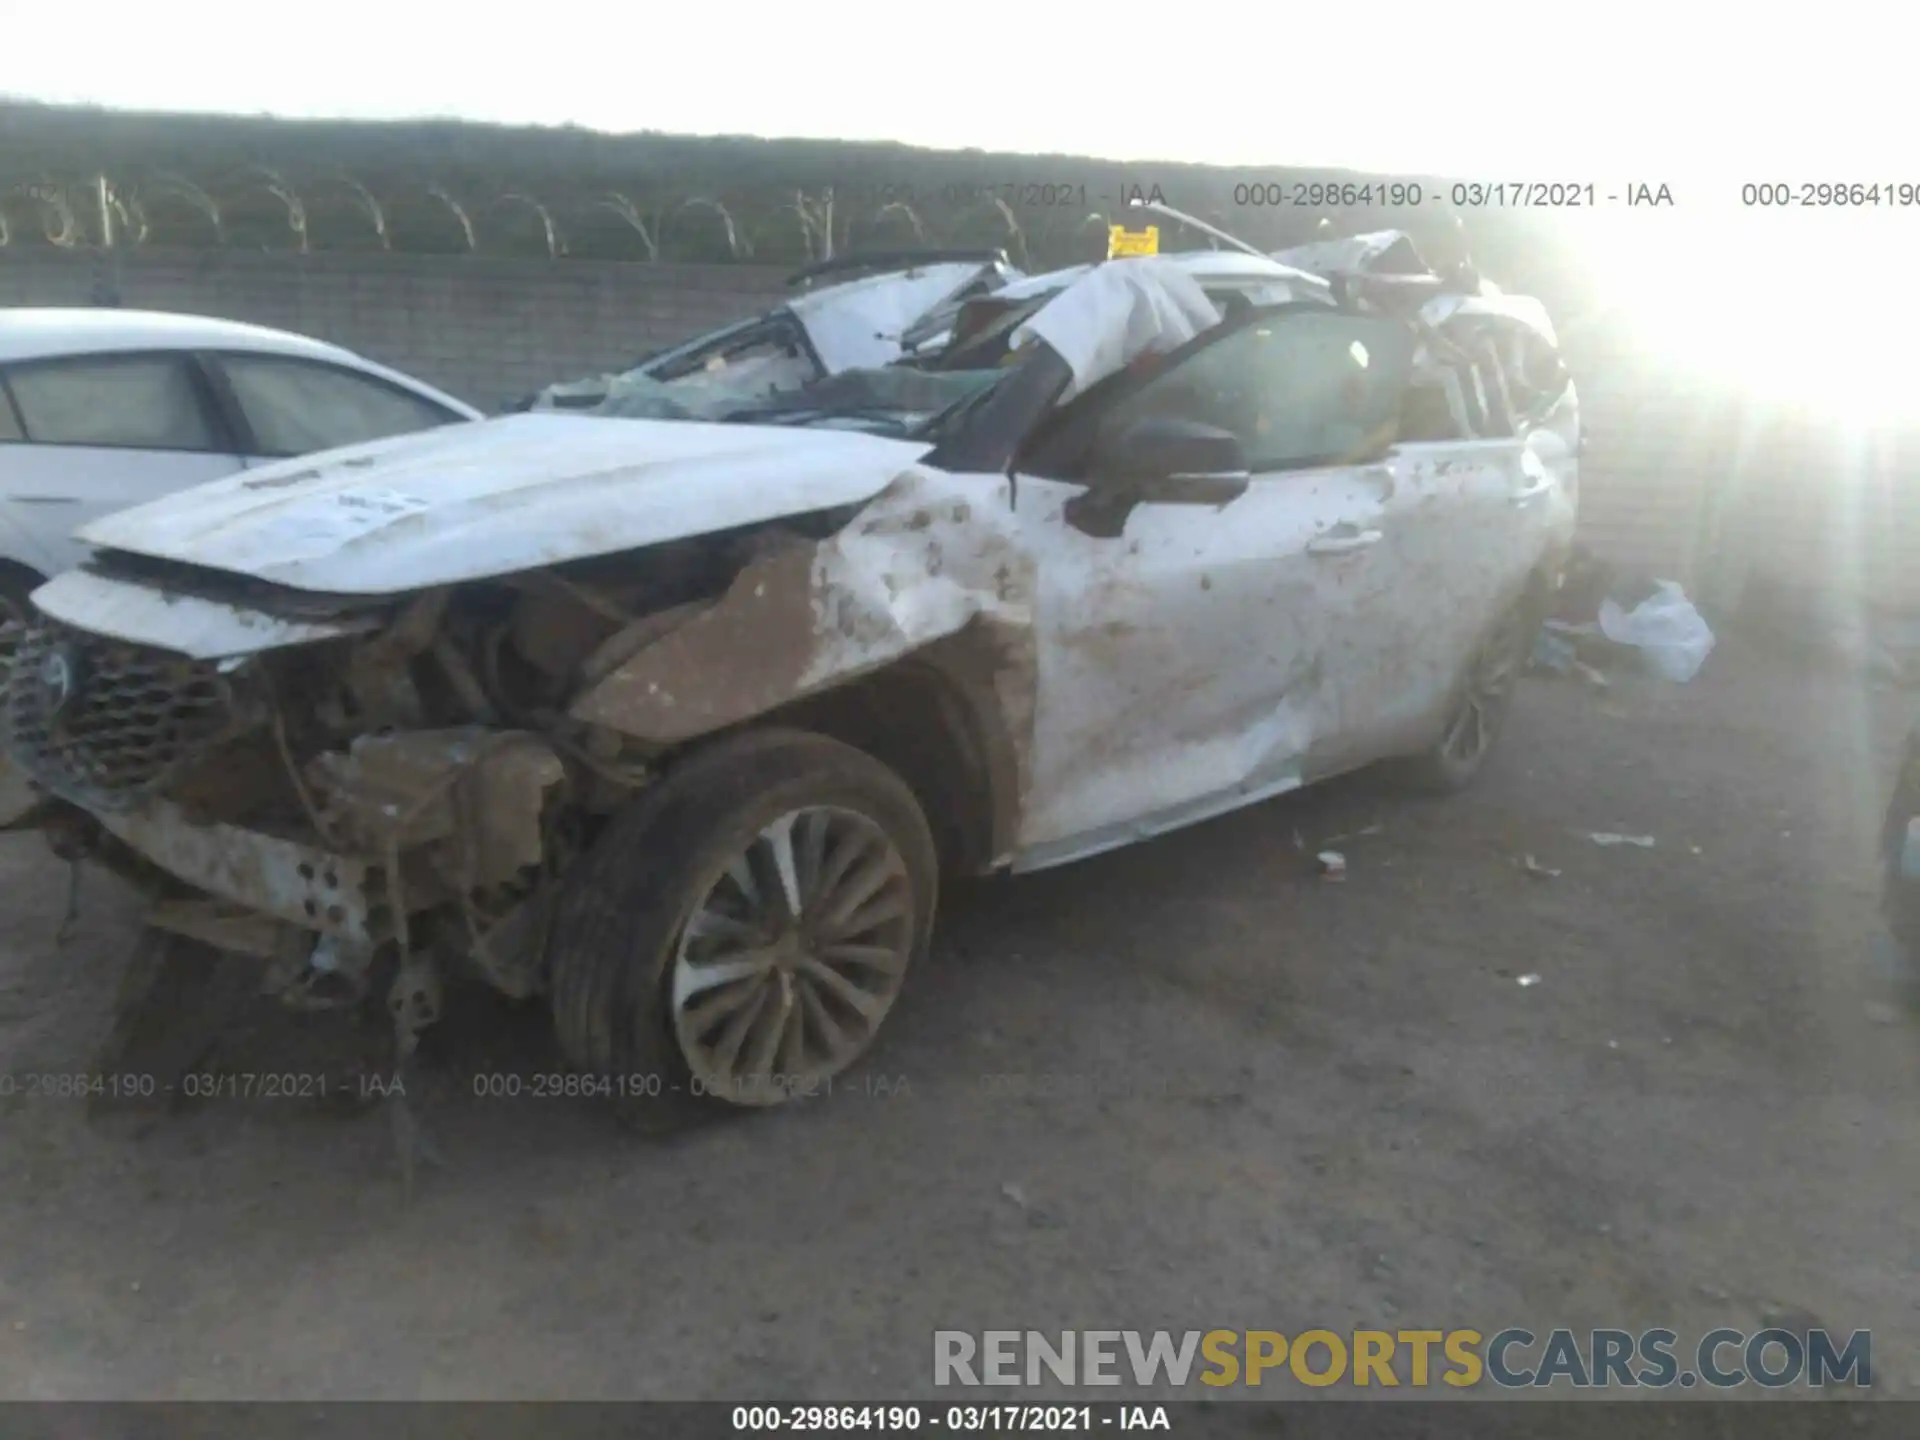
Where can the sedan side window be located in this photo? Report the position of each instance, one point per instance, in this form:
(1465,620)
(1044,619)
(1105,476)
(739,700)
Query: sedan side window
(294,407)
(143,402)
(1298,389)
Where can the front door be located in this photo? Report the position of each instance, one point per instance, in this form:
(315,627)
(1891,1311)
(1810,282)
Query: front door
(1212,648)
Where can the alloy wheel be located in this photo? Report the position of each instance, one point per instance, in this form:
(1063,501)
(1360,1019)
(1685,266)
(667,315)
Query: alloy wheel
(792,957)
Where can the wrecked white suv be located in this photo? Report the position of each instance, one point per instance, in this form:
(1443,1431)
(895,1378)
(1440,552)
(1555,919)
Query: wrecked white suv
(679,723)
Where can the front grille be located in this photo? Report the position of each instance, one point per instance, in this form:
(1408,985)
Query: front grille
(102,723)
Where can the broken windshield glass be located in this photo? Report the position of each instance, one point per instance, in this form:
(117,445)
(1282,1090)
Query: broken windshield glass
(897,397)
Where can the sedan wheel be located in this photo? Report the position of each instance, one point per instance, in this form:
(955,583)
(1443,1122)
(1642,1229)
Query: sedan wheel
(793,957)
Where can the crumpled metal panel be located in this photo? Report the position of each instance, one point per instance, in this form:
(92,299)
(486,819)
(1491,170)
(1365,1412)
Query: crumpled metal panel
(335,894)
(188,625)
(476,795)
(468,502)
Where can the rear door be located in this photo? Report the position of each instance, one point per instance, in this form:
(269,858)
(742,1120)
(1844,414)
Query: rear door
(89,435)
(1461,537)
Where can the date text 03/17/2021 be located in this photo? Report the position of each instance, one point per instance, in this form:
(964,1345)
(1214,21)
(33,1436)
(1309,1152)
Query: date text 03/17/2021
(949,1419)
(1457,195)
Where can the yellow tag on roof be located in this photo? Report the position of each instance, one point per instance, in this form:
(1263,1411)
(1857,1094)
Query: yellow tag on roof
(1122,241)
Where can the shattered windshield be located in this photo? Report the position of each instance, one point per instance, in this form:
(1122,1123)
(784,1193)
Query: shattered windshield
(894,400)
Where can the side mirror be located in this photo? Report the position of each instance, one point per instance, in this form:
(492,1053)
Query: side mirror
(1158,462)
(1158,448)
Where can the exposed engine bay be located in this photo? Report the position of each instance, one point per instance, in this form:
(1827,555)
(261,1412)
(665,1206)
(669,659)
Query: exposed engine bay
(421,784)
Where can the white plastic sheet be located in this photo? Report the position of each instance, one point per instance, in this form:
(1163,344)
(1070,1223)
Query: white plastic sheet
(1120,310)
(1665,627)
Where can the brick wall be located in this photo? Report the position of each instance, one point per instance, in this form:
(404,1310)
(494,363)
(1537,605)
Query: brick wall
(486,330)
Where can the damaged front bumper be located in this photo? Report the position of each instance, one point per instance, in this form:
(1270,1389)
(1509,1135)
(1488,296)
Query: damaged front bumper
(398,824)
(344,896)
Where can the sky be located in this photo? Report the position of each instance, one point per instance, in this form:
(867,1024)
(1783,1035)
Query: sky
(1699,98)
(1627,90)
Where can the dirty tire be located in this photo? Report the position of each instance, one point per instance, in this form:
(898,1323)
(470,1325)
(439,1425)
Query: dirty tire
(175,999)
(1481,702)
(617,939)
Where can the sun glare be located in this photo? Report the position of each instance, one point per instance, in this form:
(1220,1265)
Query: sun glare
(1808,312)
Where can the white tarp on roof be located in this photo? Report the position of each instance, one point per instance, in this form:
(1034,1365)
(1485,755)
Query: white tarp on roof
(1118,311)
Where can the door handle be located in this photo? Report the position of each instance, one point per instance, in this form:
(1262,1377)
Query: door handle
(1344,544)
(1533,492)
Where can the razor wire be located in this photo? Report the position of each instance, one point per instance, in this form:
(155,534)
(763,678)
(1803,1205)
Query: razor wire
(265,208)
(322,208)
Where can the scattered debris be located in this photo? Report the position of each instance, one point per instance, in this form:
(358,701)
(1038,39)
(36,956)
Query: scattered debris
(1604,617)
(1373,829)
(1881,1013)
(1534,867)
(1015,1192)
(1553,651)
(1333,865)
(1673,638)
(1528,980)
(1608,837)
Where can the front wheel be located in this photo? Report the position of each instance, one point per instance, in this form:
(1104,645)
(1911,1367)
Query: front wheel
(744,929)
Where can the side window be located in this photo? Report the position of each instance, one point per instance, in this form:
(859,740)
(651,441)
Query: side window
(1538,378)
(1493,396)
(142,402)
(9,421)
(294,407)
(1432,411)
(1473,398)
(1307,387)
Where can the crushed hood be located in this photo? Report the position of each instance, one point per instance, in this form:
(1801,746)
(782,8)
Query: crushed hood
(464,502)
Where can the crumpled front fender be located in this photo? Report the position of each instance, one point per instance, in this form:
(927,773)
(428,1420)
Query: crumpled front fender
(931,557)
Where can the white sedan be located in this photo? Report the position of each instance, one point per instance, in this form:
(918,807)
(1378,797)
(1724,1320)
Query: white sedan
(102,409)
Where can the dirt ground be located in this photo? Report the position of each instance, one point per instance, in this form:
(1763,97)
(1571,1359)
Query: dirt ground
(1276,1102)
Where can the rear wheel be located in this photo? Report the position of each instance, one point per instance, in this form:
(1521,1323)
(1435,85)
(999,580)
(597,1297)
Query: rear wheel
(745,928)
(1480,705)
